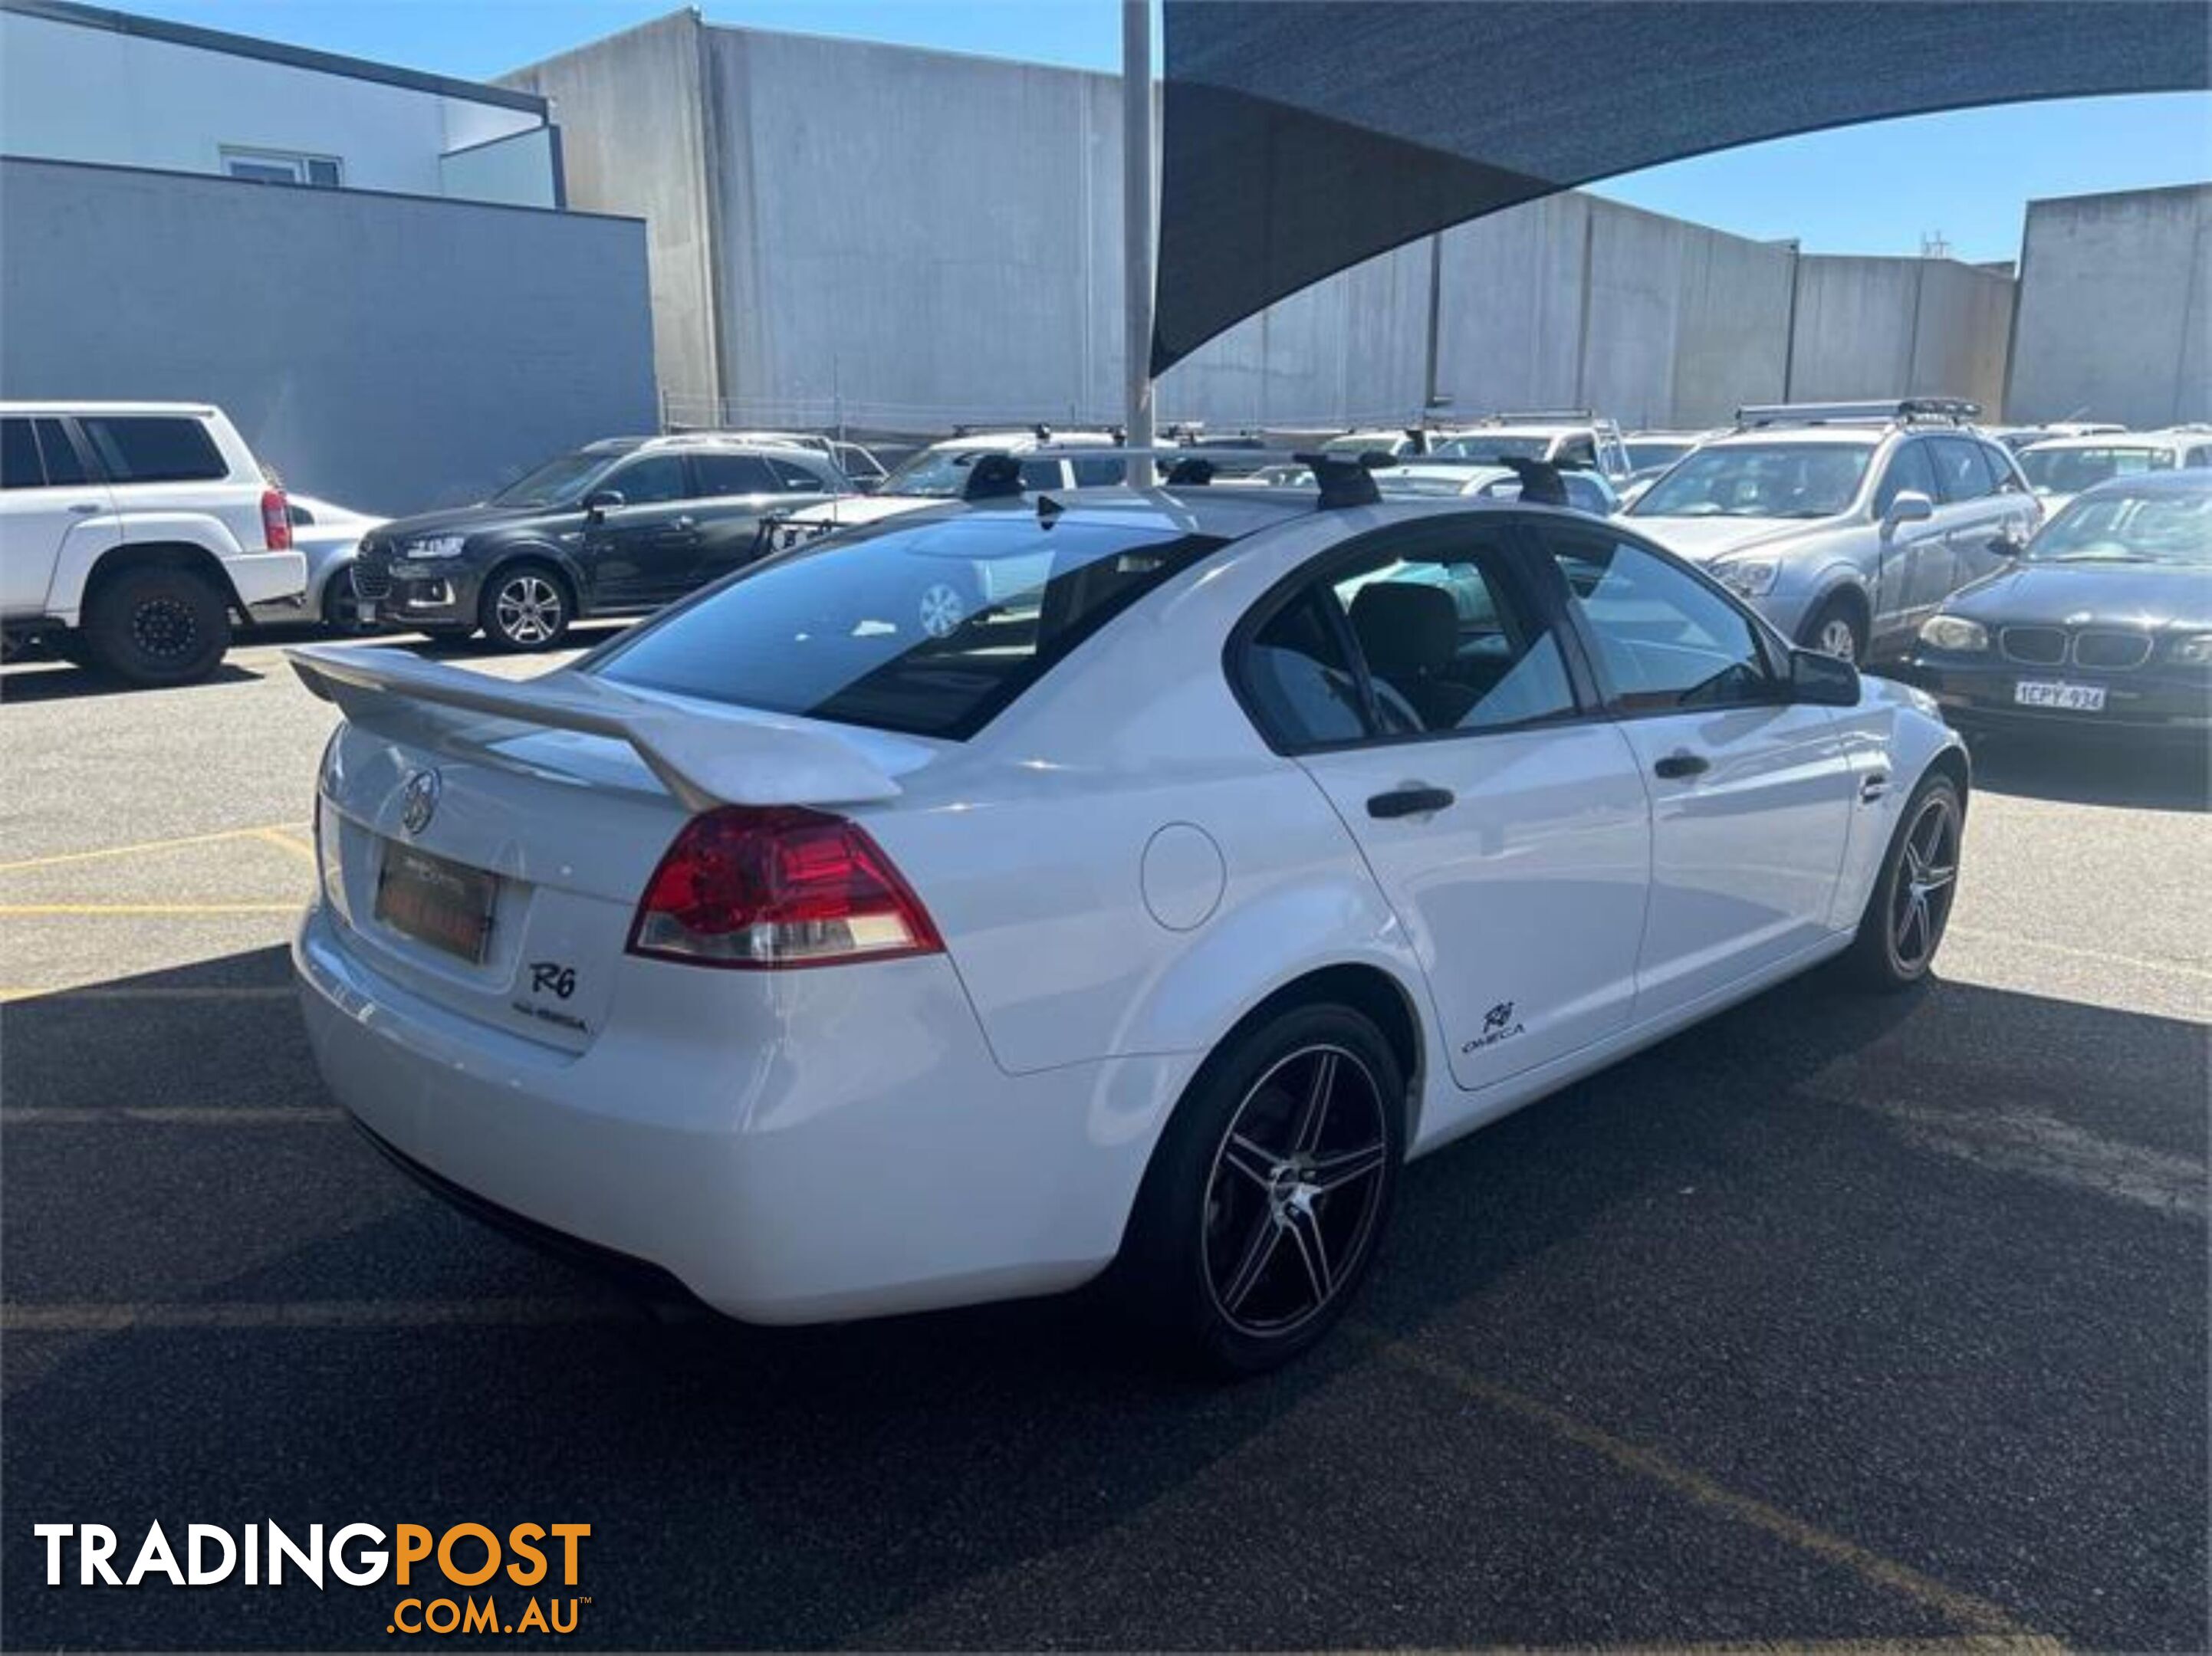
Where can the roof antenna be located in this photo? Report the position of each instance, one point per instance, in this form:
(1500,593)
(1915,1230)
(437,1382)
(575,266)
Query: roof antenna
(1049,511)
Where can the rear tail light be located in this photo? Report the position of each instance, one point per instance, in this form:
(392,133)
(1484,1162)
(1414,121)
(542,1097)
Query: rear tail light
(275,520)
(781,886)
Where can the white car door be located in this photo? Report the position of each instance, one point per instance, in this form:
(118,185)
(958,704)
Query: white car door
(1419,686)
(1751,794)
(46,496)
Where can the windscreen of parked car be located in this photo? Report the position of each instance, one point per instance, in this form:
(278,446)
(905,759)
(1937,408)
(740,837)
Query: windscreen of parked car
(2071,470)
(1489,450)
(1761,480)
(1644,453)
(930,628)
(937,474)
(2160,528)
(560,482)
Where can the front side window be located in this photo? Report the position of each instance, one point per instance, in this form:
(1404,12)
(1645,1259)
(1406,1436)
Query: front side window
(154,448)
(1441,645)
(1778,479)
(930,628)
(651,481)
(1665,640)
(1910,468)
(1961,471)
(19,457)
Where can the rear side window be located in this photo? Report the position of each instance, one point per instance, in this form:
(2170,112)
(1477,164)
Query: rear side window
(733,473)
(19,456)
(155,449)
(931,628)
(794,479)
(63,464)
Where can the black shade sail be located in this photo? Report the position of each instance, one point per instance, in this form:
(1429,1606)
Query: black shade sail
(1301,136)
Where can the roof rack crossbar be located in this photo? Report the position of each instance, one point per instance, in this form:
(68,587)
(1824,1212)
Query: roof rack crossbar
(1955,410)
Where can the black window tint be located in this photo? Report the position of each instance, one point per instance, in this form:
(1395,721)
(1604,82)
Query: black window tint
(1302,687)
(155,449)
(2000,462)
(1908,469)
(1961,471)
(2200,457)
(796,479)
(733,473)
(63,464)
(648,481)
(1665,638)
(1041,474)
(1094,474)
(931,628)
(19,456)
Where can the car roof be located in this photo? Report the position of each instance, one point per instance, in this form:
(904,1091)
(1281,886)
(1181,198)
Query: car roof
(1022,441)
(2170,437)
(1863,436)
(2188,481)
(1229,514)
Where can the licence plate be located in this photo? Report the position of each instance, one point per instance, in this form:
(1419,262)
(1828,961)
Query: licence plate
(445,904)
(368,609)
(2052,693)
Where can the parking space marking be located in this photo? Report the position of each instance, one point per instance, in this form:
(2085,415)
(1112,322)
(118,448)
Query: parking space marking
(279,837)
(2010,940)
(2042,1146)
(143,846)
(84,1319)
(171,1115)
(1968,1612)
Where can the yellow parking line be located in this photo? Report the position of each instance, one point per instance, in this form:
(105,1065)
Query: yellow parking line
(149,909)
(279,837)
(143,845)
(1968,1612)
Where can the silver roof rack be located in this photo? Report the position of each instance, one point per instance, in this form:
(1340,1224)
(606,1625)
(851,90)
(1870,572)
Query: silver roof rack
(1950,410)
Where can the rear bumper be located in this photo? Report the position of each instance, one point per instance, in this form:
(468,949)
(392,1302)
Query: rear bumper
(856,1154)
(1976,693)
(262,578)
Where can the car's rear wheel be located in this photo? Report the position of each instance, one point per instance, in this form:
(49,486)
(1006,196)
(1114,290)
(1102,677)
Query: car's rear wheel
(1266,1199)
(1905,917)
(157,625)
(1837,629)
(525,606)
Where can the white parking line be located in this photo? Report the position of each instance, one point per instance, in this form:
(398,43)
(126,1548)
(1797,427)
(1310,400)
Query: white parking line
(84,1319)
(2044,1147)
(2136,963)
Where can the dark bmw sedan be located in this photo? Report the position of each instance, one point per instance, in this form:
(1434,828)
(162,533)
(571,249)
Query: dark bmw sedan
(618,527)
(2104,623)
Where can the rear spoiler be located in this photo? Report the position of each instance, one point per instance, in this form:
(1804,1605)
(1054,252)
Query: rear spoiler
(702,760)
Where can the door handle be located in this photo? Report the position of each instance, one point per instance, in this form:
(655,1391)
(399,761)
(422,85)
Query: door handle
(84,508)
(1409,802)
(1873,786)
(1676,766)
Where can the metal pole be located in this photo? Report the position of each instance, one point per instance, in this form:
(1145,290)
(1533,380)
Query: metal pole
(1137,228)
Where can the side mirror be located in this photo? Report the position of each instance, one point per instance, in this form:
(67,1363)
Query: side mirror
(1822,680)
(1911,506)
(2004,546)
(600,501)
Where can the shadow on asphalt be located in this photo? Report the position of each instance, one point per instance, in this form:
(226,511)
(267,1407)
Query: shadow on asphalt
(2083,770)
(45,679)
(1718,1248)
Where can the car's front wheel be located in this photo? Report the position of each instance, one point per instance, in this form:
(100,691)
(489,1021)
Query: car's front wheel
(525,606)
(159,624)
(1836,628)
(1910,905)
(341,607)
(1268,1195)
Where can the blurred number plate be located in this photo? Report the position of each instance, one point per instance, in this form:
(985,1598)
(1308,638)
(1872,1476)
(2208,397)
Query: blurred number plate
(2070,698)
(445,905)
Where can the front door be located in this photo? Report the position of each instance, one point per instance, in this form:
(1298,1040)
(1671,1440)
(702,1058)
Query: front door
(1750,794)
(646,550)
(1431,700)
(1909,554)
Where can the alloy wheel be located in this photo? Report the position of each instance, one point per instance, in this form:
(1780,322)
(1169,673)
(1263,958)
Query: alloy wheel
(165,628)
(1836,637)
(528,608)
(1295,1184)
(1926,880)
(942,608)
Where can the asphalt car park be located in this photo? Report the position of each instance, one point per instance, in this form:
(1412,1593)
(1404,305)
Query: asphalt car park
(1830,1320)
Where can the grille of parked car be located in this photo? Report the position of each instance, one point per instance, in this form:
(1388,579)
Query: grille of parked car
(2111,648)
(2035,646)
(372,575)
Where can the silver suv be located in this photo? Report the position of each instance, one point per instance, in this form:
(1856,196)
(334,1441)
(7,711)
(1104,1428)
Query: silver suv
(1846,523)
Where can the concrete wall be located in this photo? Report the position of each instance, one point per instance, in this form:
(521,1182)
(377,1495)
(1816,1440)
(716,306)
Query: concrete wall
(2115,308)
(406,354)
(1878,327)
(71,92)
(633,133)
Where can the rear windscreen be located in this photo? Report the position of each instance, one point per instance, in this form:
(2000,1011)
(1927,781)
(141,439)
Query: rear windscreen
(931,628)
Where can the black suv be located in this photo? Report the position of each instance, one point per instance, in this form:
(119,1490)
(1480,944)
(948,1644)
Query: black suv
(618,527)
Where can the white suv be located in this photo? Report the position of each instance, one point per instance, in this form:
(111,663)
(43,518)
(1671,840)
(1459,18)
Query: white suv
(139,529)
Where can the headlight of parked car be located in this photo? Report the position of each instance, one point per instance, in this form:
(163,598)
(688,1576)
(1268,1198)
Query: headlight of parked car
(2194,651)
(1752,577)
(436,546)
(1954,633)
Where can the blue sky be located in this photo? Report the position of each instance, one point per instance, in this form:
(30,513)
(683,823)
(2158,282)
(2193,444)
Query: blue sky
(1874,189)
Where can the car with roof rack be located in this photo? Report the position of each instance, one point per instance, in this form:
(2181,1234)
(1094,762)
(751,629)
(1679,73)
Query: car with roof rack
(1846,523)
(618,527)
(820,964)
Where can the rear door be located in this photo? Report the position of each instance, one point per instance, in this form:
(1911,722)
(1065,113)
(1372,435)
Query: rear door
(735,492)
(1751,795)
(1971,513)
(1429,697)
(646,549)
(46,497)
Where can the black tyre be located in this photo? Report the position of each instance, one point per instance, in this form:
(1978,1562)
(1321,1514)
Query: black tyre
(1268,1195)
(157,625)
(525,606)
(1911,905)
(1838,629)
(341,607)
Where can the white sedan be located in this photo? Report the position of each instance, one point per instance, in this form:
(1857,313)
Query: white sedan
(1243,846)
